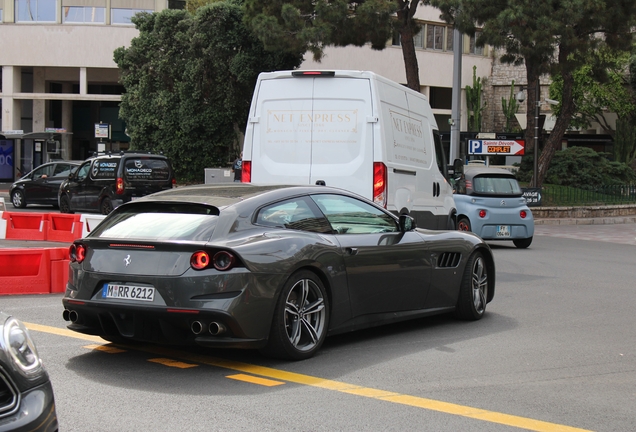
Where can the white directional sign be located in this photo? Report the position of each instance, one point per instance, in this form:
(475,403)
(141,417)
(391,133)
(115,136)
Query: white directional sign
(496,147)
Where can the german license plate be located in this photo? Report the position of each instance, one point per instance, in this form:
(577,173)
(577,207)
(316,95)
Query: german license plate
(503,230)
(128,292)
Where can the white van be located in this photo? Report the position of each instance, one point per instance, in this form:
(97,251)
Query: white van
(354,130)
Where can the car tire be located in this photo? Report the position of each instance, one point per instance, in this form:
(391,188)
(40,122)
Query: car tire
(106,206)
(65,205)
(463,224)
(473,292)
(17,199)
(301,318)
(523,243)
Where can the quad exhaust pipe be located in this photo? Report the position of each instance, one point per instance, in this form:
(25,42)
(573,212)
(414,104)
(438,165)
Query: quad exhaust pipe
(196,327)
(70,315)
(214,328)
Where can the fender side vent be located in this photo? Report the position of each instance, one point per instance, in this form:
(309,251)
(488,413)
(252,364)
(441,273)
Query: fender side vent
(449,259)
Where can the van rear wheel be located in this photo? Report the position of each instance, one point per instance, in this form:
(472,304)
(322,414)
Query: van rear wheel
(106,206)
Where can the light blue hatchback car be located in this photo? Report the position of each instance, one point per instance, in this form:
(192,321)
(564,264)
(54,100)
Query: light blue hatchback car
(489,203)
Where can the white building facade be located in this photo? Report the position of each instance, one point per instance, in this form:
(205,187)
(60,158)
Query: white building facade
(59,79)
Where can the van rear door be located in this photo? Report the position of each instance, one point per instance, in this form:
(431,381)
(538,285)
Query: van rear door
(314,129)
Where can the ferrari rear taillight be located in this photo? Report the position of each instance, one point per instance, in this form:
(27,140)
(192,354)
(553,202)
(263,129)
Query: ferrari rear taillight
(120,186)
(379,184)
(199,260)
(246,172)
(77,253)
(222,260)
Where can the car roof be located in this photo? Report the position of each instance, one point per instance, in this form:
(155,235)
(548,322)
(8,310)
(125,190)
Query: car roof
(221,195)
(126,154)
(473,171)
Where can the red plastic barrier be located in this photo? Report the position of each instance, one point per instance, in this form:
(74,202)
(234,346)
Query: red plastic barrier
(33,270)
(64,227)
(59,268)
(26,226)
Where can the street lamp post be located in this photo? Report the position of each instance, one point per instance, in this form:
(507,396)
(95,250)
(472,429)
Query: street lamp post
(535,173)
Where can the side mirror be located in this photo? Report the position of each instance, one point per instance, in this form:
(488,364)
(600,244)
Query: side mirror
(407,223)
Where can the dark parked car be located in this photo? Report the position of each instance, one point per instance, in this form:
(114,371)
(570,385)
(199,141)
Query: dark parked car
(105,182)
(270,267)
(26,395)
(41,185)
(490,203)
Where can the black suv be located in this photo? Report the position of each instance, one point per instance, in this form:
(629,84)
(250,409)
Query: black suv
(106,181)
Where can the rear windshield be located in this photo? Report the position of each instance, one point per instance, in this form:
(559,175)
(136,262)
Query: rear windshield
(159,222)
(496,185)
(146,169)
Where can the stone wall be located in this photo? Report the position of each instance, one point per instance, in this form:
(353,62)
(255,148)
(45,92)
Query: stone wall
(498,87)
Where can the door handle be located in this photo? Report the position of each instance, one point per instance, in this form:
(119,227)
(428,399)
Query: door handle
(351,251)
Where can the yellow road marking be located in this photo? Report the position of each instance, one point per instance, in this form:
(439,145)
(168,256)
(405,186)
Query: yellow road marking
(110,349)
(397,398)
(172,363)
(255,380)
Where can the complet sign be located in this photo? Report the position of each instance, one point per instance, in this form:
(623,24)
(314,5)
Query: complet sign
(496,147)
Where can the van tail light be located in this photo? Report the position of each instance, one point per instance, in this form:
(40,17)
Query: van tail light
(482,213)
(523,214)
(174,182)
(120,186)
(246,172)
(77,253)
(379,184)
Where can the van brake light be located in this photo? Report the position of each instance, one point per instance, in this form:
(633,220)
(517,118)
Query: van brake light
(120,186)
(313,73)
(246,172)
(379,184)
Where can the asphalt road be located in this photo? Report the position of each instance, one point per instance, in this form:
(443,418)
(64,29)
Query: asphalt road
(555,351)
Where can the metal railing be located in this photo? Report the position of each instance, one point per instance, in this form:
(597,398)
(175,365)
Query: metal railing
(593,195)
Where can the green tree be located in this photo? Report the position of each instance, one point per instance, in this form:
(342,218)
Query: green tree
(301,25)
(601,86)
(549,37)
(188,82)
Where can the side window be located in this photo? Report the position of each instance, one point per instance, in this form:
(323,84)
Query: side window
(439,154)
(104,169)
(43,172)
(62,170)
(351,216)
(82,172)
(295,214)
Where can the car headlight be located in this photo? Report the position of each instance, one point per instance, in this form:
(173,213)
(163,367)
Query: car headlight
(21,348)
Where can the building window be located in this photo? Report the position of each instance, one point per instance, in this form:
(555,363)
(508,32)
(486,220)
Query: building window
(123,16)
(35,10)
(84,14)
(418,39)
(441,97)
(450,38)
(473,48)
(435,37)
